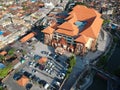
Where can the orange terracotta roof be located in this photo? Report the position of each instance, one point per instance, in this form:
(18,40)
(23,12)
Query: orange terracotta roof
(48,30)
(82,39)
(96,26)
(27,37)
(23,81)
(66,32)
(3,53)
(68,26)
(42,60)
(88,32)
(82,12)
(94,29)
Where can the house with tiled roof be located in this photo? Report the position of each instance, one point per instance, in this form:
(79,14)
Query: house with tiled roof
(78,33)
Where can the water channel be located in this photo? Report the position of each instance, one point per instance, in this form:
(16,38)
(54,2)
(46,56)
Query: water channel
(113,63)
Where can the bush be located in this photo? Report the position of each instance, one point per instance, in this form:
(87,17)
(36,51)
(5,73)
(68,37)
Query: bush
(106,21)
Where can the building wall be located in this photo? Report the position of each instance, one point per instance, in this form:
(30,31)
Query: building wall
(69,39)
(48,38)
(89,43)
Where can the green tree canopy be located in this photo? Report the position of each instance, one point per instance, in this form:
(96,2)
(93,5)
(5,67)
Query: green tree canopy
(2,58)
(11,52)
(72,61)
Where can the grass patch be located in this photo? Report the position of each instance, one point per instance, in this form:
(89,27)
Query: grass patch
(4,72)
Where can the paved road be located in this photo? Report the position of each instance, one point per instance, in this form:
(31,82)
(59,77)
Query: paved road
(74,75)
(12,85)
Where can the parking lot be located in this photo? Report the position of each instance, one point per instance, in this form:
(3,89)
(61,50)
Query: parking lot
(47,75)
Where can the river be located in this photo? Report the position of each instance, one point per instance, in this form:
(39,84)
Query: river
(98,84)
(113,63)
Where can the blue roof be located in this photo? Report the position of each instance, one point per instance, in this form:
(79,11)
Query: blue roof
(113,26)
(33,0)
(1,32)
(2,66)
(81,25)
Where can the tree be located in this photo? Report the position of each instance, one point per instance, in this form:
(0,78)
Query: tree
(23,52)
(72,61)
(11,52)
(2,58)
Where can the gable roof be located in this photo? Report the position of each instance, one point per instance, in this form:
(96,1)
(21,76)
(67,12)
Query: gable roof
(82,12)
(66,32)
(3,53)
(82,39)
(67,26)
(48,30)
(94,29)
(27,37)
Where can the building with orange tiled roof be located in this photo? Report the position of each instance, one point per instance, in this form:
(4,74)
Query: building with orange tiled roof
(80,30)
(27,37)
(3,53)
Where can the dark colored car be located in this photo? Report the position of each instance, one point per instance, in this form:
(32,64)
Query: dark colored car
(41,67)
(2,85)
(27,74)
(29,86)
(53,55)
(17,76)
(42,82)
(37,57)
(37,65)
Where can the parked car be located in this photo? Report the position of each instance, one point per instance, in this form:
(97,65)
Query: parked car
(54,56)
(37,57)
(32,64)
(45,52)
(2,85)
(36,78)
(34,71)
(17,76)
(41,67)
(46,86)
(61,75)
(29,86)
(42,82)
(37,65)
(27,74)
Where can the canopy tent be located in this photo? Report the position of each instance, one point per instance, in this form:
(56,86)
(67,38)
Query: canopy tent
(42,60)
(23,81)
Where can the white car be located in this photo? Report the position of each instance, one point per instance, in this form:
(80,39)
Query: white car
(46,86)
